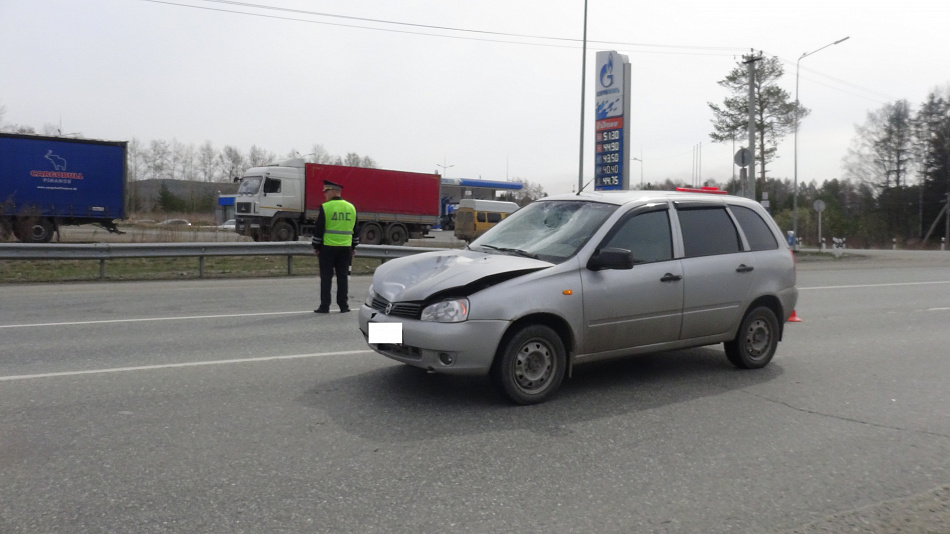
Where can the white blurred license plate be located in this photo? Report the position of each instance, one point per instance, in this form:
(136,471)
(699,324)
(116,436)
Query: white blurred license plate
(385,333)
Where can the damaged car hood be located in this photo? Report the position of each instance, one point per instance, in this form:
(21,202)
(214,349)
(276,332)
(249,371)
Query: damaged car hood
(418,277)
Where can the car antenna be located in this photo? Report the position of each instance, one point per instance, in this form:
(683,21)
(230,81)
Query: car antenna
(585,186)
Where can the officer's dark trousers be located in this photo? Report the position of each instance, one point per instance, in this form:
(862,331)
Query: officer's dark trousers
(334,260)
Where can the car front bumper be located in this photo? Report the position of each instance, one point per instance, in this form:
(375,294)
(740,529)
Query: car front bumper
(466,348)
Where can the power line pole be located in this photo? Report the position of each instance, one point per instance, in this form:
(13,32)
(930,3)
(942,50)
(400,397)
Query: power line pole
(750,179)
(580,158)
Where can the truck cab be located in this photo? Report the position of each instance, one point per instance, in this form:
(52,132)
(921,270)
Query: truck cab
(269,205)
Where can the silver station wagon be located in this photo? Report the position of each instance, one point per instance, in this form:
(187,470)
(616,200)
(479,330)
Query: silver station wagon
(578,278)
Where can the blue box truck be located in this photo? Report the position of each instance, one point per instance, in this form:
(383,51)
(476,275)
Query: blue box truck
(48,182)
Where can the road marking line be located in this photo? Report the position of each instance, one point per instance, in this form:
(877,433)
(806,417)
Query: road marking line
(180,365)
(146,319)
(895,284)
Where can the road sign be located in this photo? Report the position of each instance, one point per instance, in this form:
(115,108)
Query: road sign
(819,205)
(743,157)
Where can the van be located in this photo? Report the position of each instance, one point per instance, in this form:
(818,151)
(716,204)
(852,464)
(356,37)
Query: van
(579,278)
(474,217)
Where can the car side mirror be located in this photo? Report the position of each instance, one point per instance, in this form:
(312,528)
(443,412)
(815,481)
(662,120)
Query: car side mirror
(611,258)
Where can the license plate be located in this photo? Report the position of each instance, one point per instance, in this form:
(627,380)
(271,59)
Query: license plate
(385,333)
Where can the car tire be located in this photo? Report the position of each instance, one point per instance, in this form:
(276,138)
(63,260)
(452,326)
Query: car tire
(756,341)
(530,366)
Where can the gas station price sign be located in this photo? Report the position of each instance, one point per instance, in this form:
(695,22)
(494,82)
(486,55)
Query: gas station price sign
(608,173)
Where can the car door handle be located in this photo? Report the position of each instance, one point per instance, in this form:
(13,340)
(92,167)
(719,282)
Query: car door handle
(744,269)
(670,277)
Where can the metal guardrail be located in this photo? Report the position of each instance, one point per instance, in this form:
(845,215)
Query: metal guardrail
(109,251)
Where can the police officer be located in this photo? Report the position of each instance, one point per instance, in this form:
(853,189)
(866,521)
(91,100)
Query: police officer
(334,242)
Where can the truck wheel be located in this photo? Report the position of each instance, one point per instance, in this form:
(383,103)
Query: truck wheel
(371,234)
(530,366)
(5,230)
(756,340)
(34,230)
(396,234)
(283,231)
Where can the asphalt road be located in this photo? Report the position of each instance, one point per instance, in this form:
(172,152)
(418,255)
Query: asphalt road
(229,407)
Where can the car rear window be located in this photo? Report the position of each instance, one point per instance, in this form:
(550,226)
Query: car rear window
(756,230)
(708,231)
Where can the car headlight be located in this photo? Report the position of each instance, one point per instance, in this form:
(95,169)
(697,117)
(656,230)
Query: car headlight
(447,311)
(370,295)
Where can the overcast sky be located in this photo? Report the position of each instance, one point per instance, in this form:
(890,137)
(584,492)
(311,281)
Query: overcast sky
(486,89)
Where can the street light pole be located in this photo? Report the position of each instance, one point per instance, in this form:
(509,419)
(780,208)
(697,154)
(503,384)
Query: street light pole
(445,168)
(641,168)
(580,157)
(797,119)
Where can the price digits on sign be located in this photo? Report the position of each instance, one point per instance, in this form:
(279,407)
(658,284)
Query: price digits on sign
(609,160)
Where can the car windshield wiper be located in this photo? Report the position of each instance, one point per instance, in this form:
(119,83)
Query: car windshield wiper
(514,251)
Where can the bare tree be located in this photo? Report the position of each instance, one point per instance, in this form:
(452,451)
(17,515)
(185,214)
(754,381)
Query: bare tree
(174,160)
(157,159)
(232,162)
(208,164)
(135,162)
(367,162)
(882,149)
(352,159)
(257,157)
(318,154)
(185,161)
(528,193)
(21,129)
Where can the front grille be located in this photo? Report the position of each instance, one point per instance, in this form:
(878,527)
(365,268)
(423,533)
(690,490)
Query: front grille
(405,351)
(408,310)
(242,207)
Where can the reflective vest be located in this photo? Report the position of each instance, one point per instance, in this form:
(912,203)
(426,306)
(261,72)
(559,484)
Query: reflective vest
(340,218)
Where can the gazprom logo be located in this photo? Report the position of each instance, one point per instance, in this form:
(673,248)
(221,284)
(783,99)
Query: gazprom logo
(607,72)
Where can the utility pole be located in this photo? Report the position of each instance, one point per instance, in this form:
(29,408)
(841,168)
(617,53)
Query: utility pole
(750,62)
(580,158)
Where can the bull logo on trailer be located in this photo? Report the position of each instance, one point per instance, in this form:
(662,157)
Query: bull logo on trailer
(59,163)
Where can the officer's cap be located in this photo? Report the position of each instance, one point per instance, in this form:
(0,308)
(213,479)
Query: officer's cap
(328,185)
